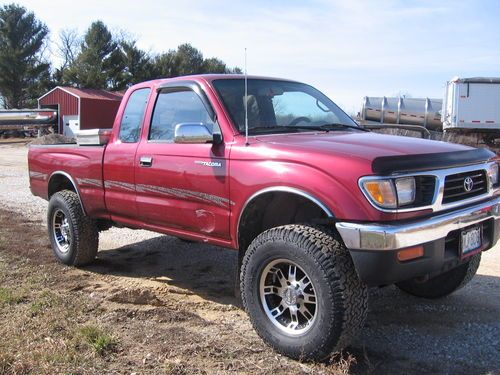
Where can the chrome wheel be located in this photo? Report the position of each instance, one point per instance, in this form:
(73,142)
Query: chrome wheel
(61,231)
(288,297)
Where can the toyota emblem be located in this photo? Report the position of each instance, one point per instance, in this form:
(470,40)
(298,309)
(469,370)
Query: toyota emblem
(468,184)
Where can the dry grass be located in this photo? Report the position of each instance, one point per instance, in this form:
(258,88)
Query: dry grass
(56,319)
(39,327)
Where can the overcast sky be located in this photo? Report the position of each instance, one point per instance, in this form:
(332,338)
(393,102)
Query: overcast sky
(347,49)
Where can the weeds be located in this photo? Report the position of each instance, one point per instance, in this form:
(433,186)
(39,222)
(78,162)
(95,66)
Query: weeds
(101,342)
(45,301)
(8,297)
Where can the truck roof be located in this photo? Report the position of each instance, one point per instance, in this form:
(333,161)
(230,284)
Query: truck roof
(212,77)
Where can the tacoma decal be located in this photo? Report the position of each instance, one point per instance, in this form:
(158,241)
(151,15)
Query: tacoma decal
(217,164)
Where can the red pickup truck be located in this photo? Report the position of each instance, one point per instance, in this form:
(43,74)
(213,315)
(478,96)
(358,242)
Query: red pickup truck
(318,208)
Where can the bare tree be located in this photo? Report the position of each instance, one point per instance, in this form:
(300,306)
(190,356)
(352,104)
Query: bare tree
(68,46)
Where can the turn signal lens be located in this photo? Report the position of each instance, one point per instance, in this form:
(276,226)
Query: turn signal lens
(410,253)
(382,192)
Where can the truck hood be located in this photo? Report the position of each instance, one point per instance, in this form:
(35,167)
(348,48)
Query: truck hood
(360,145)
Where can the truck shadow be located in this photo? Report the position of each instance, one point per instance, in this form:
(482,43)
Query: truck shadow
(403,334)
(205,270)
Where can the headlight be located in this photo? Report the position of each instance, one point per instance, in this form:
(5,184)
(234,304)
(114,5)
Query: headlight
(390,193)
(493,174)
(405,188)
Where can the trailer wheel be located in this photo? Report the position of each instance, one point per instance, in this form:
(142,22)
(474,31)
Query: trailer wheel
(73,235)
(444,284)
(301,291)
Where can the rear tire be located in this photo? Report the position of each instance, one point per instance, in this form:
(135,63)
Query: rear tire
(444,284)
(294,268)
(73,235)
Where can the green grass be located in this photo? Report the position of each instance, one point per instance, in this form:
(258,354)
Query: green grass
(8,297)
(43,302)
(100,341)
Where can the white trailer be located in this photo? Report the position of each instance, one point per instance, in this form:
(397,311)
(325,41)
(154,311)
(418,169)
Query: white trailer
(472,103)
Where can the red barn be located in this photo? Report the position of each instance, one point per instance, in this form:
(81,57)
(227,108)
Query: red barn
(81,109)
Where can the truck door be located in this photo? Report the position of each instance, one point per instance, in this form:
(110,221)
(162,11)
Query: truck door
(182,187)
(119,157)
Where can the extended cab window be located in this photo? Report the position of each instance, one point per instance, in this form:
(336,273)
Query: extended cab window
(133,115)
(177,107)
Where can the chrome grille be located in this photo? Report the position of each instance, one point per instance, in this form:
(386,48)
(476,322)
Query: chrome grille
(455,186)
(426,186)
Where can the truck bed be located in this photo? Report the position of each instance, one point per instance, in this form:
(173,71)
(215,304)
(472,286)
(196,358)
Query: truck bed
(80,164)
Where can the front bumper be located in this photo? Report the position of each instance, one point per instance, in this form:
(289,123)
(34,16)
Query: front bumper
(397,236)
(374,247)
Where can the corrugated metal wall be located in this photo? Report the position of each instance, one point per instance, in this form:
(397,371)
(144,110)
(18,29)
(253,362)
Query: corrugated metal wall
(68,104)
(94,113)
(98,114)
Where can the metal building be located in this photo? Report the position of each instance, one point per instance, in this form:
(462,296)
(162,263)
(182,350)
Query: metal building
(81,109)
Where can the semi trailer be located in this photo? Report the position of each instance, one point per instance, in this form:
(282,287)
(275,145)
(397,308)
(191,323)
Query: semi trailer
(470,106)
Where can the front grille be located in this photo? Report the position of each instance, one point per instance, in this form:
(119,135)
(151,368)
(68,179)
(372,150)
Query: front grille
(454,186)
(425,188)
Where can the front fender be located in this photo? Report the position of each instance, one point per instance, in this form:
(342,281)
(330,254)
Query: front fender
(250,178)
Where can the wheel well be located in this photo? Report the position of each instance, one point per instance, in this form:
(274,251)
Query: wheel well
(274,209)
(60,182)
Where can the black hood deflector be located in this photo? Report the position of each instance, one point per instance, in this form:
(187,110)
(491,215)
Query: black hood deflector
(420,162)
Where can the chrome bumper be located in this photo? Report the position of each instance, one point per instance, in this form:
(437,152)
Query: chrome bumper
(394,236)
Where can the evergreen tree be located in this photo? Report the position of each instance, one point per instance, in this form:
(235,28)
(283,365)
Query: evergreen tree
(186,60)
(100,62)
(24,74)
(137,64)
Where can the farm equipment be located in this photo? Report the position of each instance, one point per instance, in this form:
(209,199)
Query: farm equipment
(27,122)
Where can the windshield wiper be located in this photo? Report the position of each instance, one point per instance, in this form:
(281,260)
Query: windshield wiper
(272,129)
(336,125)
(296,128)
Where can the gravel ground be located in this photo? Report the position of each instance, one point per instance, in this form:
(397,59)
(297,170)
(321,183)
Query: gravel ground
(403,334)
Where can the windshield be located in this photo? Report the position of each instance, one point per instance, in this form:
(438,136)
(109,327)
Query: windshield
(280,106)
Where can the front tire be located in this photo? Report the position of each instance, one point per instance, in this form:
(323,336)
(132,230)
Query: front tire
(444,284)
(301,291)
(73,235)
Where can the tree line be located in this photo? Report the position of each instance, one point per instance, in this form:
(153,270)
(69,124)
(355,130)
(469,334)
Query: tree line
(99,59)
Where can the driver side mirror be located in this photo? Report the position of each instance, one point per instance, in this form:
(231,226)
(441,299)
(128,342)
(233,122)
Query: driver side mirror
(195,133)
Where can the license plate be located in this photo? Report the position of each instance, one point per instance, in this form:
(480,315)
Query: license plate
(471,241)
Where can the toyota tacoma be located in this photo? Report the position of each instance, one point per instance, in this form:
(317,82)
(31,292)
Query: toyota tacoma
(318,208)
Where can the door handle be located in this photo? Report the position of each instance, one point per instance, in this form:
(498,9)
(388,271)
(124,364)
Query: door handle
(146,161)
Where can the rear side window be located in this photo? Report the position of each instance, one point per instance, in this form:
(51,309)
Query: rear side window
(132,116)
(177,107)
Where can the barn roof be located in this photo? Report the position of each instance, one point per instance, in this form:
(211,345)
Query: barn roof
(87,93)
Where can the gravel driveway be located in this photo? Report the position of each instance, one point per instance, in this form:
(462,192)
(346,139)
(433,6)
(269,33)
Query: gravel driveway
(403,334)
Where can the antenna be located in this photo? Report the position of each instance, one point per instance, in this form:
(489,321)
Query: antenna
(246,100)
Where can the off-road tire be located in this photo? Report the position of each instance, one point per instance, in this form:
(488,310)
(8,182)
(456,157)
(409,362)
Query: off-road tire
(444,284)
(342,297)
(84,232)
